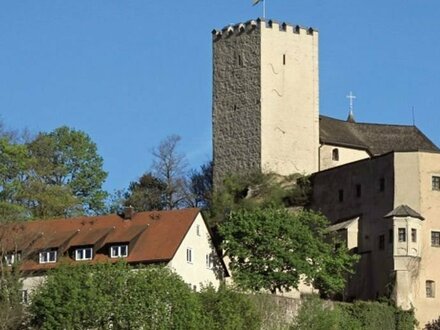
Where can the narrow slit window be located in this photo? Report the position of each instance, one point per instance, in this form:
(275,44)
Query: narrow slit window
(284,59)
(341,195)
(358,190)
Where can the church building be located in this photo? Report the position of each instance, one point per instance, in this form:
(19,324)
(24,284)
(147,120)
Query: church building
(378,184)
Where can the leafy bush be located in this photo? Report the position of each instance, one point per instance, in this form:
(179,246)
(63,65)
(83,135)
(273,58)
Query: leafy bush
(259,190)
(315,315)
(361,315)
(109,296)
(228,309)
(433,325)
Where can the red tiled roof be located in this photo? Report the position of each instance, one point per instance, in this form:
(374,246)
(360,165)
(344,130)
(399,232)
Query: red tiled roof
(152,236)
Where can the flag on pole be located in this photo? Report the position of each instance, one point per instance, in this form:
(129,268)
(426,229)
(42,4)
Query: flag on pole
(256,2)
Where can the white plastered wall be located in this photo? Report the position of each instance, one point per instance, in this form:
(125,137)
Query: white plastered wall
(196,273)
(346,155)
(289,100)
(414,173)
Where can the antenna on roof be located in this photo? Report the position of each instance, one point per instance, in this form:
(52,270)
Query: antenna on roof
(413,117)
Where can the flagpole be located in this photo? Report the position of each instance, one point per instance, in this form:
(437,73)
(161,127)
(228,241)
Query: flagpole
(264,8)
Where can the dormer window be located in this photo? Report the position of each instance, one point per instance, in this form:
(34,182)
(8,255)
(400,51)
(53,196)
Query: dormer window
(47,257)
(84,254)
(119,251)
(12,258)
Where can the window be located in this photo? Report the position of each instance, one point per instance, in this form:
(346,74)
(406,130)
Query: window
(335,154)
(435,238)
(198,230)
(358,190)
(12,258)
(189,255)
(284,59)
(382,242)
(48,257)
(436,183)
(390,236)
(24,296)
(84,254)
(209,260)
(239,60)
(402,235)
(430,289)
(413,235)
(382,184)
(341,195)
(119,251)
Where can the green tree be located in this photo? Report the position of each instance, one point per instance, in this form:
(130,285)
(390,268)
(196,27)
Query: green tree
(273,249)
(68,160)
(146,194)
(12,312)
(113,296)
(14,166)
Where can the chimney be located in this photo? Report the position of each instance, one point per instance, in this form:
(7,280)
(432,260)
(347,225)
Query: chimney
(128,212)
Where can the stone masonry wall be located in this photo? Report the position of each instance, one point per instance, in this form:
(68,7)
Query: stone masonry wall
(236,100)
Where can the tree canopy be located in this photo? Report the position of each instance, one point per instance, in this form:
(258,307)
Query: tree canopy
(273,249)
(55,174)
(146,194)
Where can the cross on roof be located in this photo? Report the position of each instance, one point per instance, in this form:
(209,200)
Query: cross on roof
(351,97)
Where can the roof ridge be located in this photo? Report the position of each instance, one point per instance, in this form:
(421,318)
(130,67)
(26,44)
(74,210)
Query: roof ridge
(365,123)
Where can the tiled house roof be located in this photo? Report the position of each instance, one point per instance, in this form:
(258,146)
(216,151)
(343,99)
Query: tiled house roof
(151,236)
(375,138)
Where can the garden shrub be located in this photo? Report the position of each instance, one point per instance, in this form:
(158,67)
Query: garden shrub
(228,309)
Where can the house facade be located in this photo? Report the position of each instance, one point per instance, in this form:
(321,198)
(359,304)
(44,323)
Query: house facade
(178,239)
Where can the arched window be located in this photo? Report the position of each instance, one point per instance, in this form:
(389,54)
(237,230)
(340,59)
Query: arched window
(335,154)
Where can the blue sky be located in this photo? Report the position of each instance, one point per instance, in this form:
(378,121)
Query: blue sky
(131,72)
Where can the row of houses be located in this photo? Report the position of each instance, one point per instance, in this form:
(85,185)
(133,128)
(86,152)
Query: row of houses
(179,239)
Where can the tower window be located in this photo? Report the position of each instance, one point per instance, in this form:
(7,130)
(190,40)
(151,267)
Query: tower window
(240,60)
(284,59)
(436,183)
(335,154)
(402,234)
(430,289)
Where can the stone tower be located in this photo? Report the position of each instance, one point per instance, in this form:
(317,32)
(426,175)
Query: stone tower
(265,98)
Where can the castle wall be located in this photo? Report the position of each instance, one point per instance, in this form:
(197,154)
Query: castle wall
(370,205)
(346,155)
(289,99)
(414,173)
(236,100)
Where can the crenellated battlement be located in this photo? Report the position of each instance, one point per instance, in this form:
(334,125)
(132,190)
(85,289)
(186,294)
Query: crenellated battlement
(260,23)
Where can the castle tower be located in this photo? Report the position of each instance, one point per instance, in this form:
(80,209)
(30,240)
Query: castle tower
(265,98)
